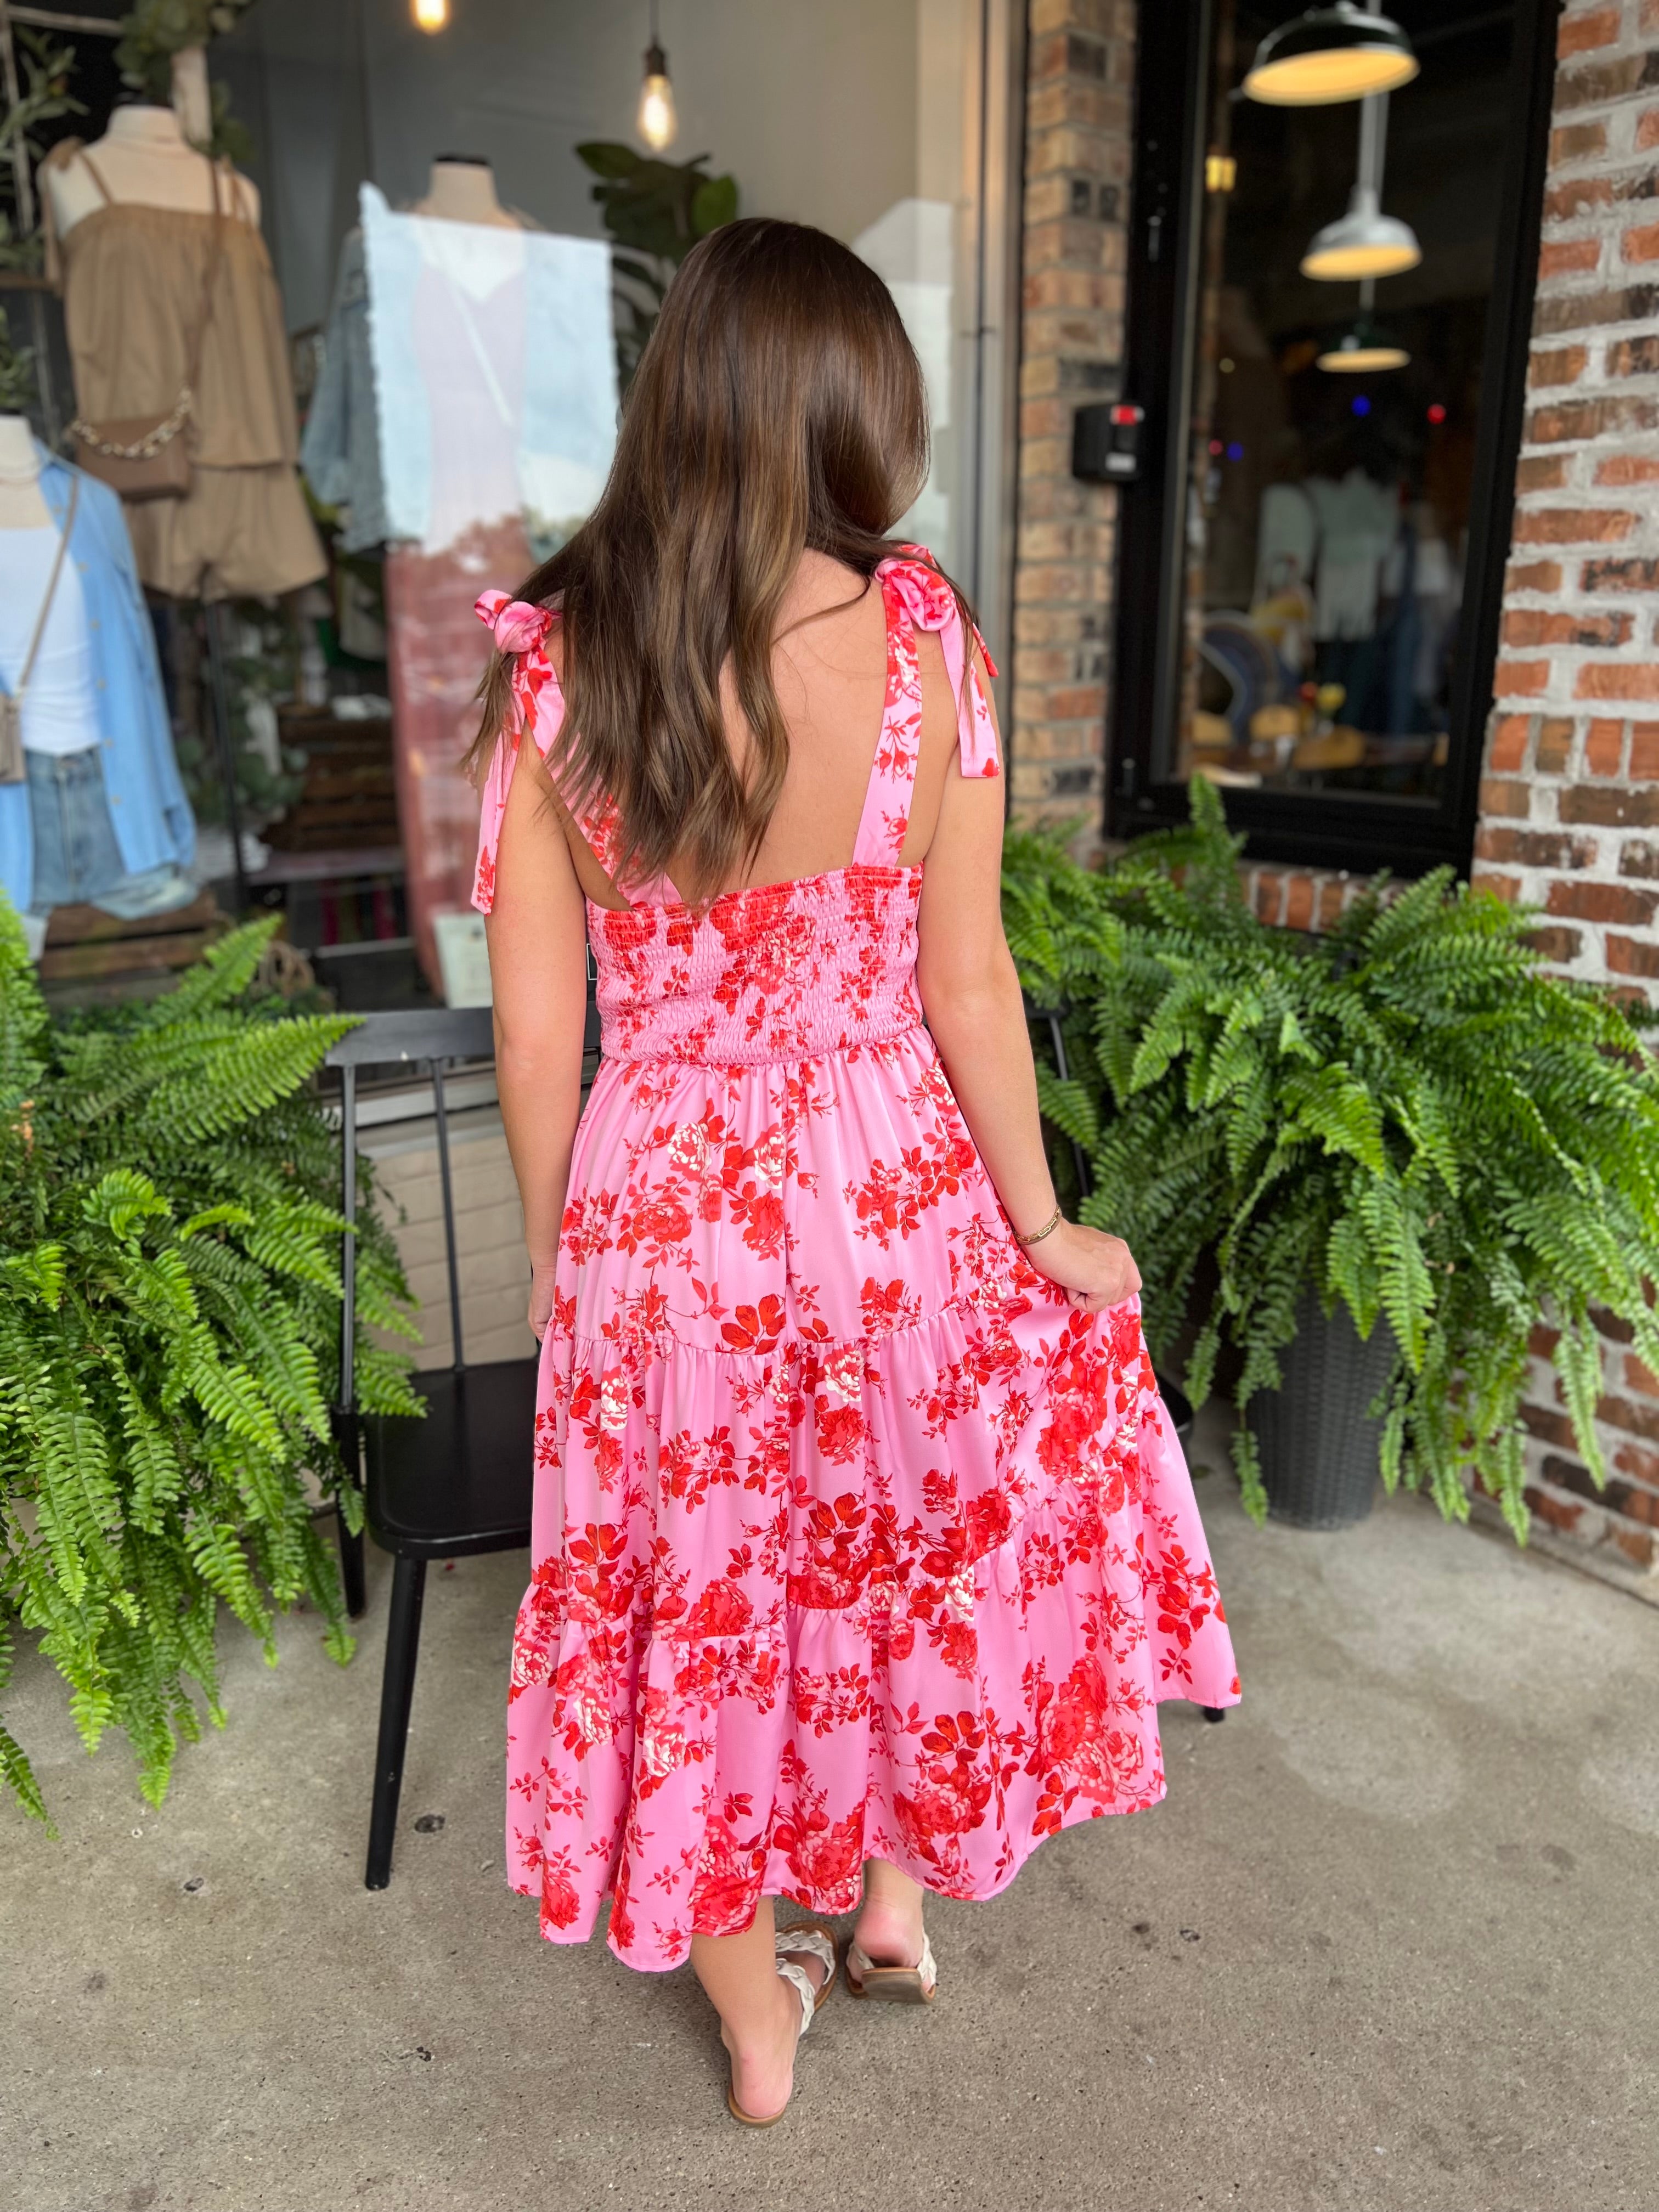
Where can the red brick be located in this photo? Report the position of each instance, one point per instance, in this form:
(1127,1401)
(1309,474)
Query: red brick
(1641,1466)
(1590,310)
(1578,34)
(1505,795)
(1558,944)
(1508,750)
(1269,896)
(1541,1341)
(1507,888)
(1567,257)
(1617,679)
(1604,748)
(1525,626)
(1574,526)
(1554,744)
(1577,195)
(1534,848)
(1612,810)
(1636,1421)
(1628,469)
(1533,576)
(1633,956)
(1640,1377)
(1564,365)
(1637,1544)
(1644,750)
(1581,902)
(1633,357)
(1299,903)
(1542,473)
(1613,1325)
(1577,142)
(1551,1427)
(1640,860)
(1561,1514)
(1520,679)
(1631,575)
(1647,128)
(1597,81)
(1641,244)
(1570,419)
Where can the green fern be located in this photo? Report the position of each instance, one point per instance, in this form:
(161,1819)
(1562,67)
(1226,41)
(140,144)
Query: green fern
(1406,1114)
(169,1342)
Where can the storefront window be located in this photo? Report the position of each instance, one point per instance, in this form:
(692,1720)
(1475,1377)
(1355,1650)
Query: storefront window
(1334,443)
(437,256)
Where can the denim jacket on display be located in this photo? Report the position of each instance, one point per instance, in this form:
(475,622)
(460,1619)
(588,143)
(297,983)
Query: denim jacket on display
(340,452)
(153,820)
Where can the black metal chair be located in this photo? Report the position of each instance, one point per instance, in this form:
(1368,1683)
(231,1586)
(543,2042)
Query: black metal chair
(458,1480)
(1176,1403)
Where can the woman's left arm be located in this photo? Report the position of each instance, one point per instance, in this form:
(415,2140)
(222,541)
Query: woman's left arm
(537,937)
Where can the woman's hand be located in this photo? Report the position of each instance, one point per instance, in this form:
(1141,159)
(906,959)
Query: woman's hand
(541,1297)
(1094,1270)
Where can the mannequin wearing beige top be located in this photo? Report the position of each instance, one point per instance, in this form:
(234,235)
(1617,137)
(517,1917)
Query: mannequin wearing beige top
(131,222)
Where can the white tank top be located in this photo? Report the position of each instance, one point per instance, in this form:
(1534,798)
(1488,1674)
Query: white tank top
(60,707)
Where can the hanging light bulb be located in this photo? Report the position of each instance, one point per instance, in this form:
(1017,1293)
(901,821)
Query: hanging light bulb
(1365,242)
(430,14)
(657,119)
(1340,53)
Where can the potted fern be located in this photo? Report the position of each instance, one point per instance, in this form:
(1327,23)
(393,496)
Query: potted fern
(169,1341)
(1401,1143)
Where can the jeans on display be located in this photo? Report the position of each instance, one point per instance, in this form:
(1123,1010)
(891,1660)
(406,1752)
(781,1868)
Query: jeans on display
(76,859)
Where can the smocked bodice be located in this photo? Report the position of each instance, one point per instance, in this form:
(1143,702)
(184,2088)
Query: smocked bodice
(786,971)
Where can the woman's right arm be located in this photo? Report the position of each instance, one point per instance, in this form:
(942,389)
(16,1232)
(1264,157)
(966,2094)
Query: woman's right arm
(537,934)
(971,997)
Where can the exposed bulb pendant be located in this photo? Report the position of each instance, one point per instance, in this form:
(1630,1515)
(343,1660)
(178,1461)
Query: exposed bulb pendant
(1340,53)
(1362,348)
(657,120)
(430,14)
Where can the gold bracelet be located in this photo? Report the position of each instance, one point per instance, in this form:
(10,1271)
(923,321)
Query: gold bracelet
(1038,1234)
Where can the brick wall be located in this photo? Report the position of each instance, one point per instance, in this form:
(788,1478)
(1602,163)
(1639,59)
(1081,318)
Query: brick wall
(1078,157)
(1570,802)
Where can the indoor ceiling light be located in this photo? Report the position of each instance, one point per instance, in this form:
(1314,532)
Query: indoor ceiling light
(1365,242)
(1365,348)
(430,14)
(1340,53)
(657,119)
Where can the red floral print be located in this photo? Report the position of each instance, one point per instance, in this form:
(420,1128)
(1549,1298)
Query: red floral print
(851,1538)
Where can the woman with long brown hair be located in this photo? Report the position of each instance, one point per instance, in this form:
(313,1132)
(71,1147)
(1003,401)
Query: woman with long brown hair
(863,1549)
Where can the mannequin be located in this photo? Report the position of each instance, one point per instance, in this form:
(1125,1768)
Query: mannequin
(462,189)
(22,505)
(146,159)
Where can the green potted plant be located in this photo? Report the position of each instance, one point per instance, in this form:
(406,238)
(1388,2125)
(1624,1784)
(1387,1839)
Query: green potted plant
(1372,1160)
(169,1341)
(655,211)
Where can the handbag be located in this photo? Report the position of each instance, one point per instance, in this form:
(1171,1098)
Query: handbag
(12,766)
(145,456)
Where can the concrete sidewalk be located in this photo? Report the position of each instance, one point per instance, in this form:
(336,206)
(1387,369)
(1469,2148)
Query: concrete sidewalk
(1386,1945)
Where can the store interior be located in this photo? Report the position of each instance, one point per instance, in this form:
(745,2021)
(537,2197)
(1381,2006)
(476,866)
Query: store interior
(1334,416)
(317,328)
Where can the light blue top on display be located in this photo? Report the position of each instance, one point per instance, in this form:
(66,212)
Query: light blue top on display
(154,825)
(340,452)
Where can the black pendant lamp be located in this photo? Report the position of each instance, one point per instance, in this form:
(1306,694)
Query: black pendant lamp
(1332,53)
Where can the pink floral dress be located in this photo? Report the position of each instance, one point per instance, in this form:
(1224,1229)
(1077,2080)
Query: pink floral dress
(851,1539)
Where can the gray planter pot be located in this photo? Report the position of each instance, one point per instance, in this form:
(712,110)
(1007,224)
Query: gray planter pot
(1319,1450)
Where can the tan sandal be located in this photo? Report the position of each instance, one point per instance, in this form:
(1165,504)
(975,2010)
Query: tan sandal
(818,1942)
(917,1985)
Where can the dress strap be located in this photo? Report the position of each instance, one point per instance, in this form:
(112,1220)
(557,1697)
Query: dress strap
(886,815)
(931,604)
(521,632)
(92,170)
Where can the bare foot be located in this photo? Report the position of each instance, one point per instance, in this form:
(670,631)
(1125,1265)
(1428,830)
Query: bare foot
(889,1934)
(763,2073)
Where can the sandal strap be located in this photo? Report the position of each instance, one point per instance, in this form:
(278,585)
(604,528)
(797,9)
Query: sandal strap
(818,1944)
(859,1962)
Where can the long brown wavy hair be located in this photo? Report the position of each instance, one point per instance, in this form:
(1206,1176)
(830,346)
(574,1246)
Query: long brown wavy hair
(779,405)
